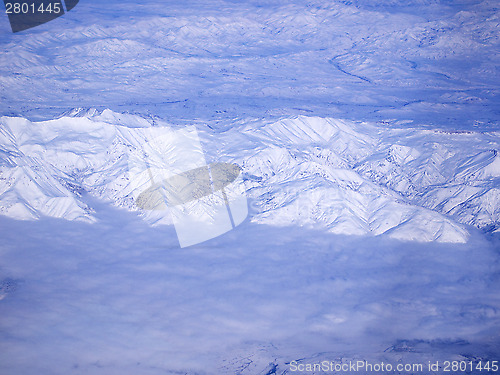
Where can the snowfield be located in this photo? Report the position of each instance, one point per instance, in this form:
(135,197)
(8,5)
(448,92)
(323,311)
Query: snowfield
(429,62)
(348,178)
(368,140)
(296,282)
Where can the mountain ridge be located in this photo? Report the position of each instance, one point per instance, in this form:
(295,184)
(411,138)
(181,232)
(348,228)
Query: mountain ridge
(344,177)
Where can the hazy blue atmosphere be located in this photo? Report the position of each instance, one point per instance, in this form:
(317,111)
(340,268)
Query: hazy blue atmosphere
(429,62)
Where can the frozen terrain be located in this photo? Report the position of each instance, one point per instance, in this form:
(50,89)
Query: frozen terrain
(429,62)
(92,284)
(368,139)
(348,178)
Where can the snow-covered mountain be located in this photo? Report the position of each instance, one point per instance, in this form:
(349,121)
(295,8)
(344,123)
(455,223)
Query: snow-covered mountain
(427,61)
(345,177)
(367,134)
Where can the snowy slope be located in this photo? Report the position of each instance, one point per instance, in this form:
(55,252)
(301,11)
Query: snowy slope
(368,134)
(348,178)
(429,62)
